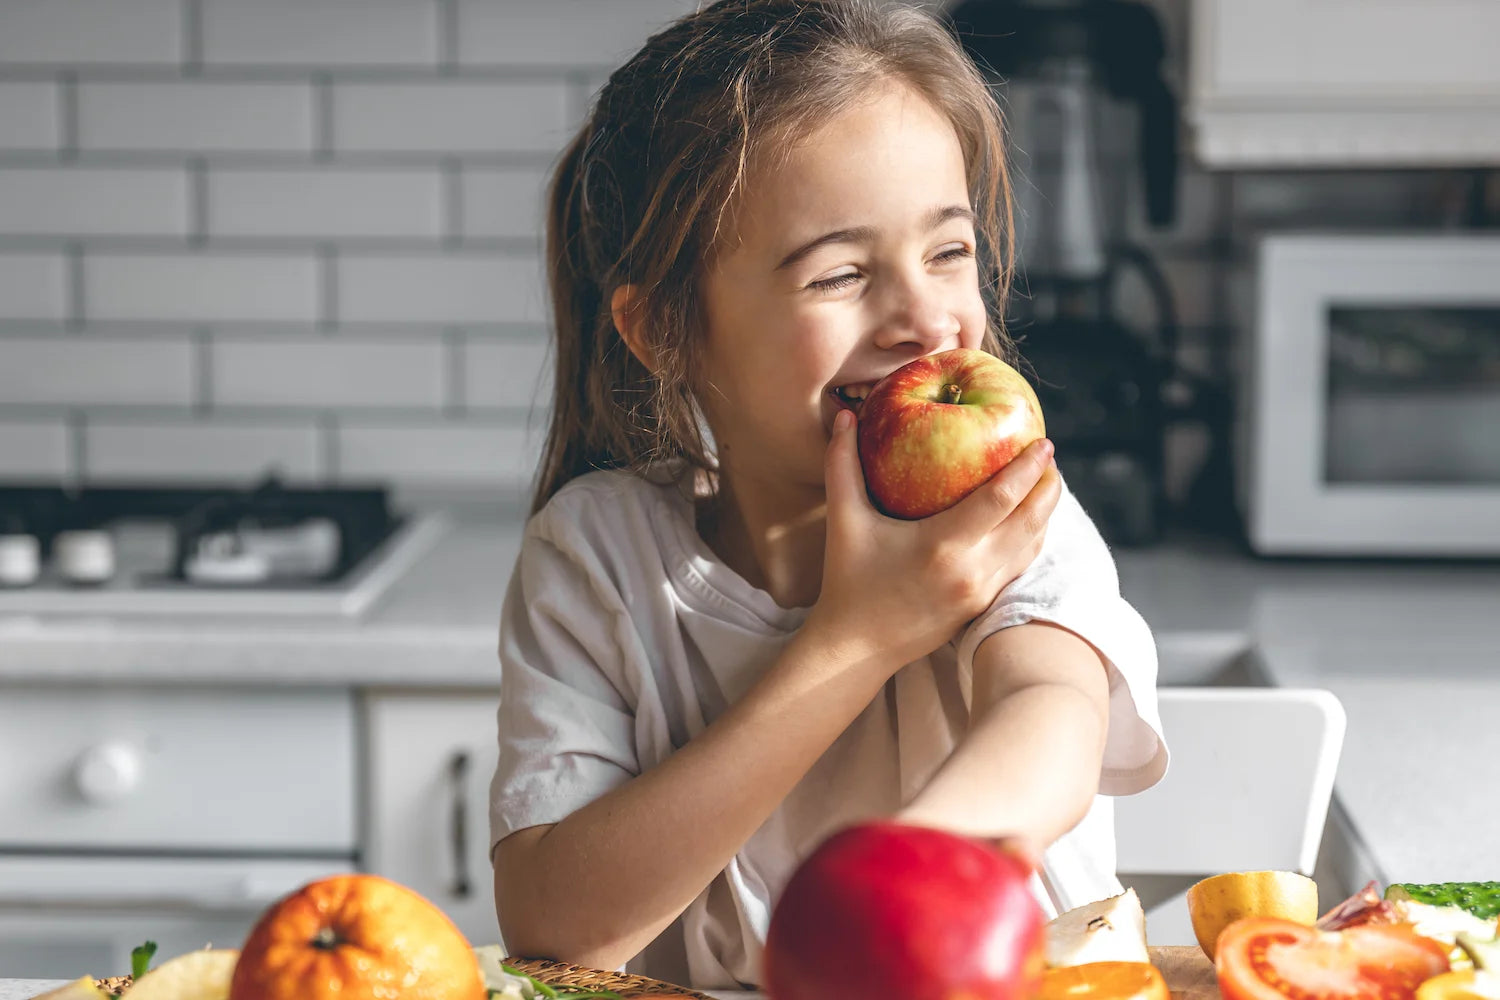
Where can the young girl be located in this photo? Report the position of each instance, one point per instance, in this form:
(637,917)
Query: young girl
(714,650)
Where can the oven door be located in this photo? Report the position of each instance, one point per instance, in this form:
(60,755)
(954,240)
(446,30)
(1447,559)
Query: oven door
(1373,397)
(64,917)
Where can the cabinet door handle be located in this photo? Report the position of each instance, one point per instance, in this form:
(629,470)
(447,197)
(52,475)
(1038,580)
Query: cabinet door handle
(458,819)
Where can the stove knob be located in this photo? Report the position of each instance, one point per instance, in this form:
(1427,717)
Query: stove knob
(84,556)
(108,772)
(20,560)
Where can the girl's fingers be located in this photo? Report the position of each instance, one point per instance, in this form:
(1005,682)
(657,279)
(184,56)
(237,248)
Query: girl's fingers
(993,502)
(1018,539)
(843,479)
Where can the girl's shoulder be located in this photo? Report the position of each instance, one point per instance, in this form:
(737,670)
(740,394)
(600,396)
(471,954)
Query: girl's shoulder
(610,507)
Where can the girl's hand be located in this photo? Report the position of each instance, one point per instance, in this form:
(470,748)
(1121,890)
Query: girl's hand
(893,591)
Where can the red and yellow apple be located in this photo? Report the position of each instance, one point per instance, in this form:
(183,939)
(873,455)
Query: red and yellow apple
(934,429)
(884,909)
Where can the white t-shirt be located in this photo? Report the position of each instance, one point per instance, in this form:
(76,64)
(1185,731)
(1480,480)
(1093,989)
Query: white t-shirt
(623,636)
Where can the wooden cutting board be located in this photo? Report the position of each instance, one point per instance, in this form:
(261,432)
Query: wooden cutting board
(1188,972)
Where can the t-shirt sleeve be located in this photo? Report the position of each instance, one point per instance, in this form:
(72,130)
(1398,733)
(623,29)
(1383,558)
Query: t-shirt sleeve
(566,721)
(1073,583)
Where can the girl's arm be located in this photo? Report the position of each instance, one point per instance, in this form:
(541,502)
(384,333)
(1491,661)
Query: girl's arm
(597,887)
(1029,766)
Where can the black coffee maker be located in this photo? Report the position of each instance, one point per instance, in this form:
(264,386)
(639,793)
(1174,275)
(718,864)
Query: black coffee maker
(1058,68)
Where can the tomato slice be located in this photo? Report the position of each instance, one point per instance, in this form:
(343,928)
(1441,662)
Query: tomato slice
(1260,958)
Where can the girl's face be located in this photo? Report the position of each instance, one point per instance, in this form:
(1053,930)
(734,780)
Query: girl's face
(852,259)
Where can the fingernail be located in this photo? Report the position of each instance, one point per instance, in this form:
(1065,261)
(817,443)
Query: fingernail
(1047,448)
(842,420)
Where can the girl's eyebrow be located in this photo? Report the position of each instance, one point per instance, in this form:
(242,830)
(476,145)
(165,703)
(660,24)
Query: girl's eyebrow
(864,234)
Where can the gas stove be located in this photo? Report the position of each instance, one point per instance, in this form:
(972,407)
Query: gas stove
(171,549)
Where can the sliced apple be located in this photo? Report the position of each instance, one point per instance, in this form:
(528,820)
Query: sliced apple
(496,979)
(1108,930)
(197,975)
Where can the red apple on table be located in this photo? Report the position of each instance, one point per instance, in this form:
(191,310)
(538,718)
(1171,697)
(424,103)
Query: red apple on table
(884,909)
(936,428)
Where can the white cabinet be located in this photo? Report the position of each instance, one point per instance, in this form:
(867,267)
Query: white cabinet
(1345,82)
(429,762)
(129,769)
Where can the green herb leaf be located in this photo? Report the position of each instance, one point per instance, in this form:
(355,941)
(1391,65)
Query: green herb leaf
(140,959)
(553,993)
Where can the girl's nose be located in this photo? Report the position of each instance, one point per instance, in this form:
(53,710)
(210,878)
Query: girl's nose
(918,314)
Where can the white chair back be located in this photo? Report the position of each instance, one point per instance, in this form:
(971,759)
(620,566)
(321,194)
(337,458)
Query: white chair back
(1248,786)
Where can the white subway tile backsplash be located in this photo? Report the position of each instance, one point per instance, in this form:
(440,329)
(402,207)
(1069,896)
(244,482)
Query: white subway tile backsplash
(33,448)
(84,201)
(91,31)
(466,454)
(504,203)
(33,286)
(144,450)
(328,202)
(29,115)
(96,371)
(201,287)
(195,116)
(433,289)
(328,373)
(510,374)
(181,158)
(321,33)
(562,33)
(442,117)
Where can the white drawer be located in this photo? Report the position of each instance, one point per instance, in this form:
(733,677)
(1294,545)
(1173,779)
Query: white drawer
(155,768)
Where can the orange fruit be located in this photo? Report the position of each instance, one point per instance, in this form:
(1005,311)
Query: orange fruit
(1104,981)
(355,937)
(1218,901)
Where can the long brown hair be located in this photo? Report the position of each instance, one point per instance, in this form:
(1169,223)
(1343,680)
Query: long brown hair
(641,194)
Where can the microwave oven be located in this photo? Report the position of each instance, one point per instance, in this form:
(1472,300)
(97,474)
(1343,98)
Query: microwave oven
(1369,419)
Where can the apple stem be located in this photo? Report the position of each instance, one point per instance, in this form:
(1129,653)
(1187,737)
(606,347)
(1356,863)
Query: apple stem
(950,393)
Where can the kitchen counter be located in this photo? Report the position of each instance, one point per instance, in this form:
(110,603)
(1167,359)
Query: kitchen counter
(1188,975)
(1412,650)
(25,989)
(437,626)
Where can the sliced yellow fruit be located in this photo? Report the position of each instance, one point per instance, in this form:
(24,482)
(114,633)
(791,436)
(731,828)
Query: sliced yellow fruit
(1220,900)
(198,975)
(83,988)
(1466,984)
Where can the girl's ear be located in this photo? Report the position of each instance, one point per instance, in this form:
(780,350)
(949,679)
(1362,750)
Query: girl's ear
(625,307)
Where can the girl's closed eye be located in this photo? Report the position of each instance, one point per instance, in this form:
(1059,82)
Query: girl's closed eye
(847,278)
(836,282)
(953,254)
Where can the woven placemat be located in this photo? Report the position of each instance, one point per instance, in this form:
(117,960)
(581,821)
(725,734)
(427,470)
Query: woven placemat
(574,977)
(579,977)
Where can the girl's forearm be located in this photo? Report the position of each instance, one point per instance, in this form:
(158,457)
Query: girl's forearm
(1028,768)
(598,886)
